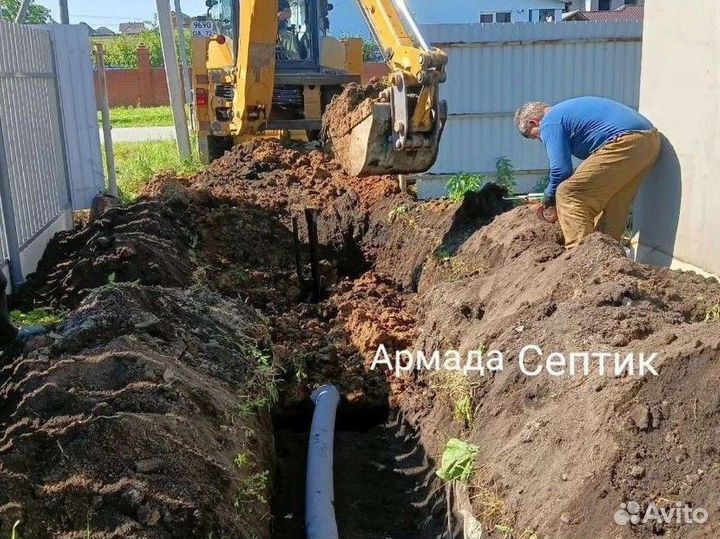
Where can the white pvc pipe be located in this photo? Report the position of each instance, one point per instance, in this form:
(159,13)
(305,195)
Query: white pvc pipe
(320,520)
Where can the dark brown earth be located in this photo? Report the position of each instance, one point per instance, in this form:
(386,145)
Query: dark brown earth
(200,310)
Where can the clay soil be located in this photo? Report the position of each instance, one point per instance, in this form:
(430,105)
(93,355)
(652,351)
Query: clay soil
(146,413)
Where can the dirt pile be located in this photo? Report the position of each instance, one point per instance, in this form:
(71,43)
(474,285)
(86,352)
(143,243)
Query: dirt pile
(351,107)
(560,454)
(148,243)
(143,418)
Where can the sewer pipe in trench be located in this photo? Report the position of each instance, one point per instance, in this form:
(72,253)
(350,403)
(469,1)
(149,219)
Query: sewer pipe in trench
(320,520)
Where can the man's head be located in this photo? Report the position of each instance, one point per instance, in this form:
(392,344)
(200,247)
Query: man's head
(528,118)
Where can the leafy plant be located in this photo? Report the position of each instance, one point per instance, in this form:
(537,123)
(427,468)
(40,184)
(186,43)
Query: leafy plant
(461,184)
(505,174)
(442,254)
(458,461)
(253,488)
(35,14)
(262,388)
(397,213)
(37,317)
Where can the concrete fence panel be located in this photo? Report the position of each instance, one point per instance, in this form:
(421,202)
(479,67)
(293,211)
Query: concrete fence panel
(35,157)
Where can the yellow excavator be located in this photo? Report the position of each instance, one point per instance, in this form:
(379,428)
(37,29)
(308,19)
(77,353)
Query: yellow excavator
(270,68)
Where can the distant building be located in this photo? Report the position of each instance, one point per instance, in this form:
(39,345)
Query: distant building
(627,13)
(132,28)
(601,5)
(104,32)
(89,28)
(487,11)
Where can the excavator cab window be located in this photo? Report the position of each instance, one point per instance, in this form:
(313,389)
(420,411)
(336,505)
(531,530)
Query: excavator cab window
(297,39)
(225,15)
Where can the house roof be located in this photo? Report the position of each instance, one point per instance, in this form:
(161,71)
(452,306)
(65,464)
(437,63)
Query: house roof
(132,28)
(103,31)
(621,14)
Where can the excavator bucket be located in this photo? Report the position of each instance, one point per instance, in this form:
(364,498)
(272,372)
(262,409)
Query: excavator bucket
(368,147)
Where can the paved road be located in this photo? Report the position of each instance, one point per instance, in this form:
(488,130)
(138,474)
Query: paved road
(140,134)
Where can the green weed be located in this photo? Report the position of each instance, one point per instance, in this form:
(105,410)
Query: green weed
(463,410)
(505,174)
(36,317)
(253,488)
(397,213)
(460,185)
(442,254)
(16,530)
(458,461)
(263,387)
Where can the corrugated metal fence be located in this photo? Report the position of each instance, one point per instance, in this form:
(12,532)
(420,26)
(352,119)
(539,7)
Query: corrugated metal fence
(495,68)
(34,157)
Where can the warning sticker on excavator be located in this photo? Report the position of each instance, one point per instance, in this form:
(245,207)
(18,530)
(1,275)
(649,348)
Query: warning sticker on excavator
(203,28)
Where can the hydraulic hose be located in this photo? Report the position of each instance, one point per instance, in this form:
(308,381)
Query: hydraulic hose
(320,520)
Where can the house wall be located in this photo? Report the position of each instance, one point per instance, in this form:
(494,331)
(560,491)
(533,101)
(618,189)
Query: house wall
(468,11)
(677,212)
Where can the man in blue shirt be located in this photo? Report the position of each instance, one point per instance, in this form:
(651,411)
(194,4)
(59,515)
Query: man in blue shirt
(619,147)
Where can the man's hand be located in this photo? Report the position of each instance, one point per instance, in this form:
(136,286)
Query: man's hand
(546,210)
(547,201)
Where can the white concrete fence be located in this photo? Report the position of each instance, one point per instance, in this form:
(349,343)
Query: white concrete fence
(49,145)
(495,68)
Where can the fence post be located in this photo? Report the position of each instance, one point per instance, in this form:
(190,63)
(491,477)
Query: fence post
(8,209)
(107,127)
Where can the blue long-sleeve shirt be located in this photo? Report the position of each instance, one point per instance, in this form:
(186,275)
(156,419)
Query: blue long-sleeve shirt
(580,127)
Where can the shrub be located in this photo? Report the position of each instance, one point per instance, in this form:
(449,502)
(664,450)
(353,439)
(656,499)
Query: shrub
(462,184)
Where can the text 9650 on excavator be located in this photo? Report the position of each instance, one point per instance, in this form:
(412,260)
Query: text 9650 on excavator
(270,68)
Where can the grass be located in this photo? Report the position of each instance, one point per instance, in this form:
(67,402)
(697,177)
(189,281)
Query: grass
(140,117)
(137,162)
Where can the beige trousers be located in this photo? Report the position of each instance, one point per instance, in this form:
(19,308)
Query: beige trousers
(599,195)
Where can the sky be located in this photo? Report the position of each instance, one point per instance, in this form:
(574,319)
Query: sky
(345,18)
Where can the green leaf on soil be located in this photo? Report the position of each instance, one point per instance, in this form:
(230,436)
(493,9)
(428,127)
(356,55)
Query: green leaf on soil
(458,461)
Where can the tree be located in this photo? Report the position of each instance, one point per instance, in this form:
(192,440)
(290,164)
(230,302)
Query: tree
(35,15)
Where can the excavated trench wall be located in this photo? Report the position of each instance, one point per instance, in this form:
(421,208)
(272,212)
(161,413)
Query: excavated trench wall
(557,455)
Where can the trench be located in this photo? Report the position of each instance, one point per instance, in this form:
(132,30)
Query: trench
(385,483)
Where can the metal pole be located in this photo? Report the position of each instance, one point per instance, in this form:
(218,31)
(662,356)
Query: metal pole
(22,12)
(182,39)
(311,215)
(8,208)
(106,126)
(172,72)
(64,15)
(298,255)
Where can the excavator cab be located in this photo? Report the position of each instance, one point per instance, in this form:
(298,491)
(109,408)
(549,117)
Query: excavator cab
(266,71)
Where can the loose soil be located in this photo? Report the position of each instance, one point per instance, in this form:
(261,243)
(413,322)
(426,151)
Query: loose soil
(147,412)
